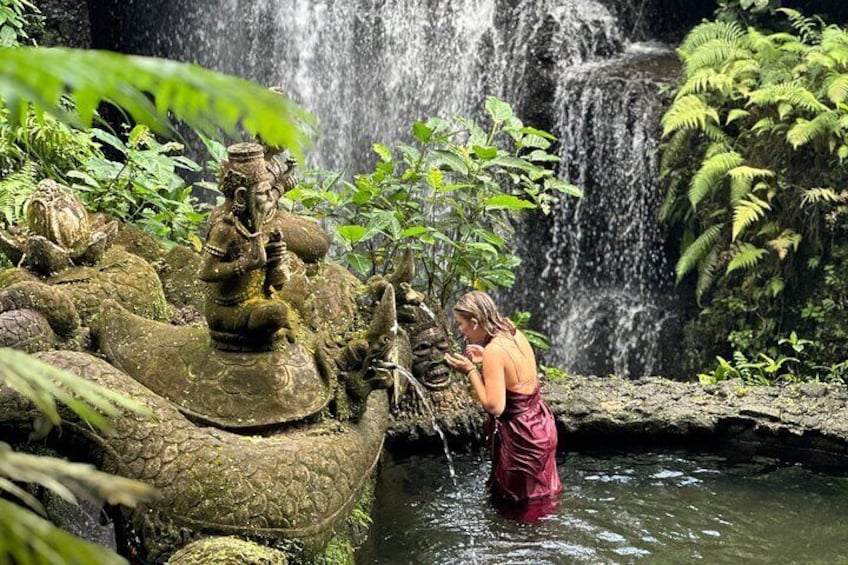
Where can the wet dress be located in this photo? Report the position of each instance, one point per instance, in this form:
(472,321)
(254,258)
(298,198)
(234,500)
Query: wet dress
(523,442)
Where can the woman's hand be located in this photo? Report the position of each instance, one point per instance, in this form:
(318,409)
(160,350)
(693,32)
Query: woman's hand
(459,362)
(475,353)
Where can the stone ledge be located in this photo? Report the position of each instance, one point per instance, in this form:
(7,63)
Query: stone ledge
(807,422)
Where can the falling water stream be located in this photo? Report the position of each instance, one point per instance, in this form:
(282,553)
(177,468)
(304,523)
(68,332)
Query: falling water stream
(423,396)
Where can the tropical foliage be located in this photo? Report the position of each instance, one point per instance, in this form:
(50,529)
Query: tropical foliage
(48,98)
(754,167)
(451,196)
(26,537)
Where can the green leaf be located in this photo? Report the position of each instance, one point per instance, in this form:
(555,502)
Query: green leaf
(736,114)
(564,187)
(539,155)
(384,152)
(507,202)
(33,540)
(414,231)
(359,262)
(695,251)
(421,132)
(709,176)
(746,212)
(435,179)
(150,90)
(498,110)
(485,153)
(452,160)
(513,163)
(744,256)
(351,233)
(537,132)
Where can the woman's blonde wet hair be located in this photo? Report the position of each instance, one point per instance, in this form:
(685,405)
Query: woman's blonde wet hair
(477,306)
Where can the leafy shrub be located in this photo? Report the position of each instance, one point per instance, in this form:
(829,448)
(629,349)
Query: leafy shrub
(451,196)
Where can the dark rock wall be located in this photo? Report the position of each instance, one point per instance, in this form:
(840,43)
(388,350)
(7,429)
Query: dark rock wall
(66,23)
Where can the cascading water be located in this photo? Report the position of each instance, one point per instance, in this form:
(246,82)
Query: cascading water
(595,279)
(602,288)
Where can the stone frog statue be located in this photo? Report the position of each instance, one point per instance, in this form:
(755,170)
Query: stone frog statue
(58,233)
(244,257)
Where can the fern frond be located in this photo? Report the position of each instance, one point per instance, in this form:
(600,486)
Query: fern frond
(804,131)
(774,94)
(688,112)
(715,53)
(837,87)
(674,150)
(834,45)
(736,114)
(709,176)
(808,28)
(15,190)
(697,250)
(28,538)
(707,273)
(710,31)
(819,59)
(706,80)
(746,212)
(741,179)
(786,241)
(813,196)
(148,89)
(744,256)
(763,125)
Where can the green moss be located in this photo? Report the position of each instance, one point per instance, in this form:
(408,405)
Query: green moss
(341,549)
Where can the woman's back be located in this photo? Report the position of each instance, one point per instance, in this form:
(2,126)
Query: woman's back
(519,362)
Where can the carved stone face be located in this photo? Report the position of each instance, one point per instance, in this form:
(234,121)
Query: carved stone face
(54,212)
(428,365)
(264,200)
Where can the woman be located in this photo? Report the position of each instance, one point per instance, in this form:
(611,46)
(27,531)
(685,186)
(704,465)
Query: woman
(521,429)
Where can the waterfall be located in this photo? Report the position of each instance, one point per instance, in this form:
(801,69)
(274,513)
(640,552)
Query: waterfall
(595,278)
(602,288)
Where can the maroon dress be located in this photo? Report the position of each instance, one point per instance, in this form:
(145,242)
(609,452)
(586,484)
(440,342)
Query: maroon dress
(523,442)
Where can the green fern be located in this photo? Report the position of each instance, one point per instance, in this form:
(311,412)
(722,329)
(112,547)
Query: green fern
(741,179)
(786,241)
(746,212)
(696,251)
(15,189)
(837,88)
(706,80)
(706,32)
(148,89)
(736,114)
(744,256)
(708,269)
(709,176)
(715,53)
(809,28)
(688,113)
(813,196)
(805,131)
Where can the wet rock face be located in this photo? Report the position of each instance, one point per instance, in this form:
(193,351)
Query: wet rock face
(66,24)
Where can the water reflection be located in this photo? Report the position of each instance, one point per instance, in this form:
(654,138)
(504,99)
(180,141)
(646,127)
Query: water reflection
(664,508)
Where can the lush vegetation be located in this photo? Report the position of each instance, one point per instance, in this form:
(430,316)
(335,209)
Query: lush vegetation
(754,165)
(451,196)
(48,100)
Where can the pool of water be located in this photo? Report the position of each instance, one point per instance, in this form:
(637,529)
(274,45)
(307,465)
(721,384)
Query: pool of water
(667,507)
